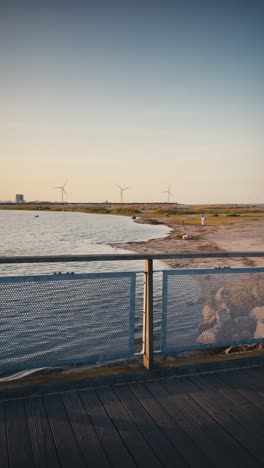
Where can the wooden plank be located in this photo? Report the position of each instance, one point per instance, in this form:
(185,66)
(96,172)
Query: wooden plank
(128,430)
(237,413)
(236,397)
(160,412)
(68,450)
(89,443)
(228,449)
(44,451)
(18,440)
(164,450)
(255,379)
(220,410)
(3,441)
(246,386)
(114,446)
(189,424)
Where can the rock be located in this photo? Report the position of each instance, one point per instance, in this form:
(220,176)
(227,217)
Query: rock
(228,331)
(222,314)
(186,236)
(247,327)
(257,313)
(255,292)
(208,313)
(208,336)
(207,324)
(258,291)
(259,333)
(223,295)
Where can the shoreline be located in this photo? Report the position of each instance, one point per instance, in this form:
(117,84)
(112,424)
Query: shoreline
(231,237)
(228,228)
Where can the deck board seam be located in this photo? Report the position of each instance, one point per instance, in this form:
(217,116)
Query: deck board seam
(139,429)
(50,429)
(127,448)
(94,428)
(227,431)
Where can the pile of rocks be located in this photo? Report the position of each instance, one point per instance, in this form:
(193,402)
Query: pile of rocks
(233,314)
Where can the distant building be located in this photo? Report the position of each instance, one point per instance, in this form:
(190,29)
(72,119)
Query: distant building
(19,198)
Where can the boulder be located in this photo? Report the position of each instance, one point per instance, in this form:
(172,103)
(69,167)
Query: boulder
(247,327)
(259,333)
(228,331)
(209,313)
(222,314)
(205,324)
(223,295)
(208,336)
(258,292)
(257,313)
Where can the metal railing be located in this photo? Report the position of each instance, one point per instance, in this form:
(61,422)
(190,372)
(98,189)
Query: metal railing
(123,345)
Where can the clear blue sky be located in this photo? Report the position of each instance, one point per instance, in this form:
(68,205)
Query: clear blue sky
(147,95)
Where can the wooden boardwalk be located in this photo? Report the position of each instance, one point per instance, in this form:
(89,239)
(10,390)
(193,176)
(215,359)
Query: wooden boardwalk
(211,420)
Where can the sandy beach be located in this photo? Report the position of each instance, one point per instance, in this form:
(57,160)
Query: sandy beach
(242,237)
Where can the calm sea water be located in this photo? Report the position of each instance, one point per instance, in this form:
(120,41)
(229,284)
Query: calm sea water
(60,233)
(50,324)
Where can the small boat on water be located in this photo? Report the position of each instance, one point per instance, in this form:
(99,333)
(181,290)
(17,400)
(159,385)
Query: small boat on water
(36,216)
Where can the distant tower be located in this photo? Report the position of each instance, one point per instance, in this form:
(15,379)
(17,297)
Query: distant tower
(19,198)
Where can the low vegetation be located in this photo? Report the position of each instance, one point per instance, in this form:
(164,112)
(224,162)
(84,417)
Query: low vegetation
(125,211)
(96,210)
(155,213)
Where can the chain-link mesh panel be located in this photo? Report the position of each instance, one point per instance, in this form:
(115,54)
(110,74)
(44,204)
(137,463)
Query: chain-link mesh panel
(66,319)
(212,308)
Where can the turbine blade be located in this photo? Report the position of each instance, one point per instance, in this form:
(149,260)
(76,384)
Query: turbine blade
(118,186)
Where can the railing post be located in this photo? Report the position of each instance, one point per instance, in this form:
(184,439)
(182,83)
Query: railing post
(148,313)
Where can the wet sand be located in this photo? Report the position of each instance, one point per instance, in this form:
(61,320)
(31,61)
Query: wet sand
(242,237)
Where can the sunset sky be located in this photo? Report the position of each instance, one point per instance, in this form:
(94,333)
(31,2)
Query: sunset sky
(147,95)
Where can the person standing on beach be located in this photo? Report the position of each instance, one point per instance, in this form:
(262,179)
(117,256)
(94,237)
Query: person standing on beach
(203,220)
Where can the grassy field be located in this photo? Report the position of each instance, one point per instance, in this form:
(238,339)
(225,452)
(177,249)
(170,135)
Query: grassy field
(160,213)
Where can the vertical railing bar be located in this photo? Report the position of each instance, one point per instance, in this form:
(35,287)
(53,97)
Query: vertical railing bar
(144,312)
(164,311)
(148,335)
(132,314)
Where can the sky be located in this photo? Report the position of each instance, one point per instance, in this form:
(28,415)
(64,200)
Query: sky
(137,93)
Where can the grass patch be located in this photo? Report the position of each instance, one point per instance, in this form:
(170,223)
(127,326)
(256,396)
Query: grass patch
(154,221)
(96,210)
(125,211)
(173,212)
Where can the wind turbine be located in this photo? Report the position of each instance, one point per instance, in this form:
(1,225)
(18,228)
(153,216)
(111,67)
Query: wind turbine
(169,193)
(121,191)
(63,191)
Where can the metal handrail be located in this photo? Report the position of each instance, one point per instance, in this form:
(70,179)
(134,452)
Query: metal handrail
(129,256)
(148,350)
